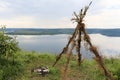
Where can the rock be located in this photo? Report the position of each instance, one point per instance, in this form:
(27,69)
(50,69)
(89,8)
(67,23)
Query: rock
(41,70)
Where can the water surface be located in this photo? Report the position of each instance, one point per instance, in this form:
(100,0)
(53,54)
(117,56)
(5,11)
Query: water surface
(108,46)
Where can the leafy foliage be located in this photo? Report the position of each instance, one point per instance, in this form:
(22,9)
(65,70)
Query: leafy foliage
(8,45)
(9,67)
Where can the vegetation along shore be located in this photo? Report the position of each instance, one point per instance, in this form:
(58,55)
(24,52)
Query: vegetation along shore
(16,64)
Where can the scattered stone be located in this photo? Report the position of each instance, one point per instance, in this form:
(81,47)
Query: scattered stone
(41,70)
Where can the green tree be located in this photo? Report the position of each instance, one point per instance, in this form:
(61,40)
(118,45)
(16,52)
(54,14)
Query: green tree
(8,45)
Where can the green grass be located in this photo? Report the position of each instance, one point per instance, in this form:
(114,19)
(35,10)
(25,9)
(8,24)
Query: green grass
(25,61)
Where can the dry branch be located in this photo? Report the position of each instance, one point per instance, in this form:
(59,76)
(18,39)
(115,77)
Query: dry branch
(75,41)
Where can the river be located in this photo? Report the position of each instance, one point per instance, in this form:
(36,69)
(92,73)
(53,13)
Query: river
(107,46)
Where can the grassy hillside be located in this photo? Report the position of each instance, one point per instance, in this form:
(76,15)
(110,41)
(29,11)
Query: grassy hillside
(25,61)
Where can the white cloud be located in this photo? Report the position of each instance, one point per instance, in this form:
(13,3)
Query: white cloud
(4,6)
(106,19)
(108,3)
(107,15)
(57,13)
(20,21)
(55,23)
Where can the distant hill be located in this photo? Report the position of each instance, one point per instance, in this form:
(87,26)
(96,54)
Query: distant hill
(34,31)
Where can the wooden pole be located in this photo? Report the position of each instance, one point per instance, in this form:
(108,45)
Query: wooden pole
(80,28)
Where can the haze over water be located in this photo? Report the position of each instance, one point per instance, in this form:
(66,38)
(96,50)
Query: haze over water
(107,46)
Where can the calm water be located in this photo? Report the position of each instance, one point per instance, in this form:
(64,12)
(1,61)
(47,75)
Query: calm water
(108,46)
(42,43)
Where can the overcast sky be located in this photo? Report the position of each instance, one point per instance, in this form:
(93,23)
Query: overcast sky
(57,13)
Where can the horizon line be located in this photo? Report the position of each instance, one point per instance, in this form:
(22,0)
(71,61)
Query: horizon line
(58,28)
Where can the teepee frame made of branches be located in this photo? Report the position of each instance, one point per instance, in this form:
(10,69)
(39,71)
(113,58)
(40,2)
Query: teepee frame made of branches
(75,42)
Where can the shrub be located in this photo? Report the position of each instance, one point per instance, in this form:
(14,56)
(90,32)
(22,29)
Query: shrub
(8,45)
(9,67)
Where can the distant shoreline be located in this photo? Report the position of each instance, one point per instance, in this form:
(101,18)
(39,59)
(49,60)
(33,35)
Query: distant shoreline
(40,31)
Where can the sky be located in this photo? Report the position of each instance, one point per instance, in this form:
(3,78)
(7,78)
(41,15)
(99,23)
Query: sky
(58,13)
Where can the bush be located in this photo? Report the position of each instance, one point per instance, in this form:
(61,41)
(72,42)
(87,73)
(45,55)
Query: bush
(8,45)
(9,67)
(1,74)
